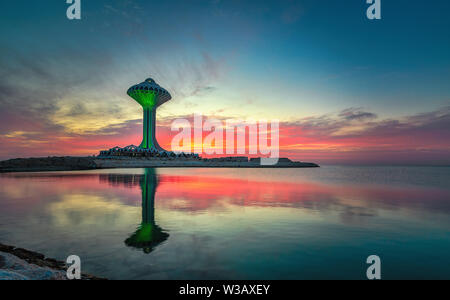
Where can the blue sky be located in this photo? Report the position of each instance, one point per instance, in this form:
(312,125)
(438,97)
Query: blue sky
(329,52)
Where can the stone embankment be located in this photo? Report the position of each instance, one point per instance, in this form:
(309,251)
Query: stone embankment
(88,163)
(21,264)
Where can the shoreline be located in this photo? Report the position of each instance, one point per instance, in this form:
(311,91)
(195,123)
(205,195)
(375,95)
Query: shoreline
(69,163)
(21,264)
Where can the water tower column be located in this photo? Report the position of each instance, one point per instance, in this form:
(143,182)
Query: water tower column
(148,129)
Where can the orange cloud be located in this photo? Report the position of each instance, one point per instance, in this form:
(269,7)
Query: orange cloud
(352,136)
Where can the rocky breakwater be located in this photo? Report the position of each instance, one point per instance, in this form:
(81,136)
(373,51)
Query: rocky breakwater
(88,163)
(47,164)
(177,162)
(21,264)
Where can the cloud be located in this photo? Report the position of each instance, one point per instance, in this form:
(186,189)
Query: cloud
(193,75)
(44,111)
(64,99)
(357,114)
(420,139)
(80,91)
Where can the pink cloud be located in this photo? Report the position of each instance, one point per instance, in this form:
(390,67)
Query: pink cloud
(352,136)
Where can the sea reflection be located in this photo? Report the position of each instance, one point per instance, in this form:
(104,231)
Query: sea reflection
(225,223)
(148,235)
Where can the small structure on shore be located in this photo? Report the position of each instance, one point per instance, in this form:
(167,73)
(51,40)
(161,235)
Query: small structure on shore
(135,151)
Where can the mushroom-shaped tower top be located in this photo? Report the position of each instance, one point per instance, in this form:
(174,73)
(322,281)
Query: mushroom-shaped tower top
(149,94)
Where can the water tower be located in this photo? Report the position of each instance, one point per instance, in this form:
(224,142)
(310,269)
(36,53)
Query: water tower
(150,96)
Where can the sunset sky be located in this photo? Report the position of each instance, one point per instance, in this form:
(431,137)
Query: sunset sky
(345,88)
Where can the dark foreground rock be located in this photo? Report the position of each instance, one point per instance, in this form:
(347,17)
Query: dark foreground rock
(22,264)
(67,163)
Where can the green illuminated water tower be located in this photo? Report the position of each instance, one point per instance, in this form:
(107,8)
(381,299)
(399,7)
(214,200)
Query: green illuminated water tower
(150,96)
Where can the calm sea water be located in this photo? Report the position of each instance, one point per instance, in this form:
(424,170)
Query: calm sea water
(235,223)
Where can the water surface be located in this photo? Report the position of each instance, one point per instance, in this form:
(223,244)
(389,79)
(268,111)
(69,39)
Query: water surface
(235,223)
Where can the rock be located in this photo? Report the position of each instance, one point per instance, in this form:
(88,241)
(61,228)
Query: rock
(284,160)
(22,264)
(53,263)
(6,248)
(15,268)
(27,255)
(47,164)
(11,275)
(2,262)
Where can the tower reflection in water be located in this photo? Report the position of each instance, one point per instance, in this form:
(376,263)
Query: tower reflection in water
(148,235)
